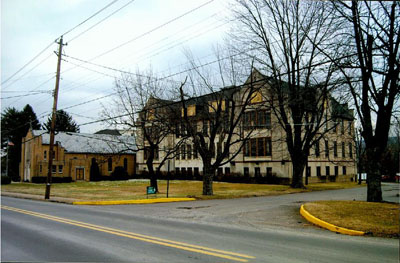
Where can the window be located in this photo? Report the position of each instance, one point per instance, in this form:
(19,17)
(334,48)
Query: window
(196,171)
(109,164)
(327,170)
(319,171)
(54,169)
(40,168)
(344,170)
(257,119)
(351,150)
(335,149)
(257,147)
(257,172)
(269,171)
(326,149)
(336,170)
(60,169)
(227,171)
(54,155)
(177,170)
(183,170)
(246,171)
(183,151)
(317,149)
(195,153)
(125,164)
(189,151)
(45,155)
(343,150)
(349,127)
(190,172)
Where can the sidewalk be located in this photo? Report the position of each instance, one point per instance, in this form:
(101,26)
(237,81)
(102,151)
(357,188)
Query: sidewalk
(38,197)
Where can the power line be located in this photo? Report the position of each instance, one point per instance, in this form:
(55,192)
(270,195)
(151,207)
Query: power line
(90,17)
(152,30)
(116,11)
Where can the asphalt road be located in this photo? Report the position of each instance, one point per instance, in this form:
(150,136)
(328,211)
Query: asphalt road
(266,229)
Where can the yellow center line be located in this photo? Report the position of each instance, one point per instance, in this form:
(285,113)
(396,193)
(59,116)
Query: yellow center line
(164,242)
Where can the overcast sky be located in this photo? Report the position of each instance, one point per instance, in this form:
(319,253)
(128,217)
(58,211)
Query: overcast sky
(141,34)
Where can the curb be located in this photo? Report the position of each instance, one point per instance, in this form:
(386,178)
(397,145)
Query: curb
(140,201)
(327,225)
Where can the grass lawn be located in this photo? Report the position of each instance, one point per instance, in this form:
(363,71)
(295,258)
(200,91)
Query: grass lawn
(379,219)
(136,189)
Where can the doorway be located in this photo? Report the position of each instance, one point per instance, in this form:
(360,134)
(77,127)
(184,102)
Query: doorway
(80,173)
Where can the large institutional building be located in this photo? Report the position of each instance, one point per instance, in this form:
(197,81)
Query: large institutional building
(264,154)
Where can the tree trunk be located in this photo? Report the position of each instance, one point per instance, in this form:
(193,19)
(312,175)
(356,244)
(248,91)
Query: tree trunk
(298,168)
(152,174)
(374,192)
(208,174)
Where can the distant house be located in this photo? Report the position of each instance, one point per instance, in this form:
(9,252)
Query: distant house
(74,154)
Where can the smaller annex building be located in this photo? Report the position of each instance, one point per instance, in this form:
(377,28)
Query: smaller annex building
(74,154)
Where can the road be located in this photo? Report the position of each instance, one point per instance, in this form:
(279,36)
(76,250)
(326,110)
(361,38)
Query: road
(266,229)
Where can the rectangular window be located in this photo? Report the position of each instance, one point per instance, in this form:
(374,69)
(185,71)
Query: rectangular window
(227,171)
(54,169)
(257,172)
(319,171)
(269,171)
(268,147)
(246,171)
(177,170)
(177,130)
(336,170)
(247,148)
(344,170)
(317,153)
(189,151)
(190,171)
(343,150)
(253,147)
(326,149)
(351,150)
(60,169)
(45,155)
(54,155)
(328,171)
(349,127)
(183,151)
(335,149)
(183,171)
(40,168)
(261,146)
(253,118)
(261,119)
(268,120)
(196,171)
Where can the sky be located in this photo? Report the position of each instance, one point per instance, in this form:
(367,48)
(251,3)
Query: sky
(125,35)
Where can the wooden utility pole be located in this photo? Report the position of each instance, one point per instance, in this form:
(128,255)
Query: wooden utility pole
(53,121)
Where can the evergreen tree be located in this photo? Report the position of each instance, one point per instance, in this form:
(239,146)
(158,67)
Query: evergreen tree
(14,126)
(64,122)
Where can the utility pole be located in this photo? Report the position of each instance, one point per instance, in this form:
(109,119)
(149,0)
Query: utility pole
(53,120)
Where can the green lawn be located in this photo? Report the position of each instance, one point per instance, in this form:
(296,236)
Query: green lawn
(136,189)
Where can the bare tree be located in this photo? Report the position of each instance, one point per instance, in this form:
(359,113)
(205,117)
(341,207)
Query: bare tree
(211,111)
(371,70)
(281,36)
(139,108)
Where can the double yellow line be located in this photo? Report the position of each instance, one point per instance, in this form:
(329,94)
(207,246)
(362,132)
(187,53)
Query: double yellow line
(155,240)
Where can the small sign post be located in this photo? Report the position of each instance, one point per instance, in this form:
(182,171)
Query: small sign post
(150,190)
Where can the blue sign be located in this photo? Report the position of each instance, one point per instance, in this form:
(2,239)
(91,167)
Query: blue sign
(151,190)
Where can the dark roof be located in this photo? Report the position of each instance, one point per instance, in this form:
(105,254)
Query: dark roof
(109,132)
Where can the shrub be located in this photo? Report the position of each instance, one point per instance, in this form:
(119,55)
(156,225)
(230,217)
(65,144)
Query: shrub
(119,173)
(43,179)
(5,179)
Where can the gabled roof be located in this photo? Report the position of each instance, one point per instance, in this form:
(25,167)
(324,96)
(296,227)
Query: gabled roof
(90,143)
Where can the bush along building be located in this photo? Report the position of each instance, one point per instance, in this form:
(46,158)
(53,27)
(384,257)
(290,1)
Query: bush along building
(254,149)
(77,157)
